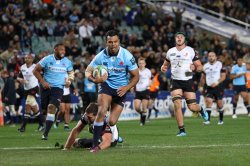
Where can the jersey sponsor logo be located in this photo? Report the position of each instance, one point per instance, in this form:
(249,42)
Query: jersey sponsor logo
(116,70)
(105,63)
(57,69)
(173,54)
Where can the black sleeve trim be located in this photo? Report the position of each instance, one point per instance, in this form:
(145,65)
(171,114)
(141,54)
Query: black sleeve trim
(84,119)
(196,56)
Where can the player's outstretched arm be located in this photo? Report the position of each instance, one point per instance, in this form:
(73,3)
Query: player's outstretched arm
(73,135)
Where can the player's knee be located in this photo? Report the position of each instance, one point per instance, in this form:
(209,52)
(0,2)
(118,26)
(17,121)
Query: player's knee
(193,107)
(31,100)
(112,122)
(102,110)
(209,102)
(176,98)
(137,107)
(28,111)
(220,105)
(191,101)
(101,113)
(27,108)
(34,108)
(144,110)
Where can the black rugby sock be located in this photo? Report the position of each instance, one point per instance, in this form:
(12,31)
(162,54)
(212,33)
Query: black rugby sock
(98,126)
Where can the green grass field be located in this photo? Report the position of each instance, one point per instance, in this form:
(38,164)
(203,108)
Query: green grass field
(153,144)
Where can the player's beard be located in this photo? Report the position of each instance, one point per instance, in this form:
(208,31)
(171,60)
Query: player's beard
(59,56)
(114,51)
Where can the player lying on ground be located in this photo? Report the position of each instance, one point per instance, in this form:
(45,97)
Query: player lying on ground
(109,133)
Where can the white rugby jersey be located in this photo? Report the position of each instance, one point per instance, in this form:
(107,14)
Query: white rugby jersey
(66,91)
(30,80)
(180,62)
(144,80)
(212,72)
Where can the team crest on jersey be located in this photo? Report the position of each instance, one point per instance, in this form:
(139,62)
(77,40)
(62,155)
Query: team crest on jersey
(186,54)
(51,63)
(113,58)
(121,63)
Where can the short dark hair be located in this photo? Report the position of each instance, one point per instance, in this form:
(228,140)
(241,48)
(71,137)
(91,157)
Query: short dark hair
(57,45)
(180,33)
(112,33)
(92,108)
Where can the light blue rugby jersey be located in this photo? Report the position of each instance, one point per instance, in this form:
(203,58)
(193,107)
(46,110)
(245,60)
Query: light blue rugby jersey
(237,70)
(55,71)
(118,66)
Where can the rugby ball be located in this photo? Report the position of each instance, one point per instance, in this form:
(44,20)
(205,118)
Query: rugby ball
(99,71)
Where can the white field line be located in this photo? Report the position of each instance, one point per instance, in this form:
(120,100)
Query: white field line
(186,146)
(27,148)
(141,147)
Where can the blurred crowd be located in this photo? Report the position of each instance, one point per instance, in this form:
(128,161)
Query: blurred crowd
(80,22)
(238,9)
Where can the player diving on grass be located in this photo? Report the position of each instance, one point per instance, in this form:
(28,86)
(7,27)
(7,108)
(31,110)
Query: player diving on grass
(109,135)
